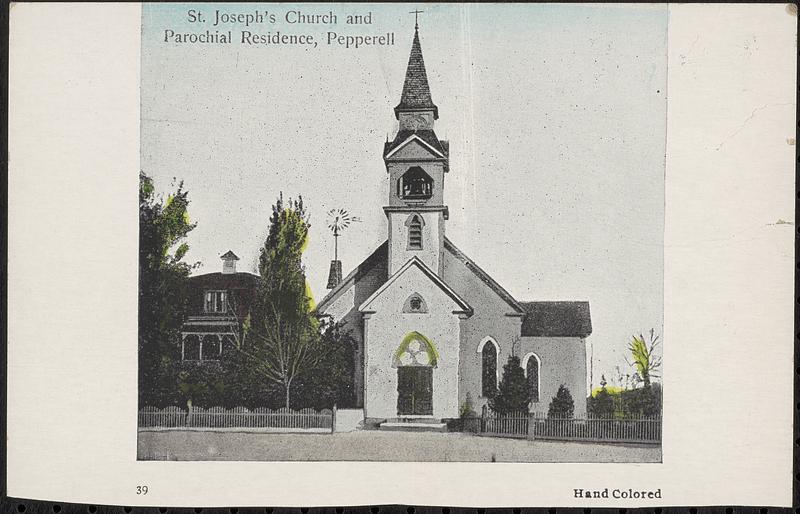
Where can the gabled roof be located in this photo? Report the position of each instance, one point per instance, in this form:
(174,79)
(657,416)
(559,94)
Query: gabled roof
(426,136)
(379,256)
(229,256)
(566,319)
(415,262)
(483,276)
(416,92)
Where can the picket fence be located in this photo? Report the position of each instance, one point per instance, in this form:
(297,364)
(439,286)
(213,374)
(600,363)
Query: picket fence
(632,429)
(239,417)
(512,425)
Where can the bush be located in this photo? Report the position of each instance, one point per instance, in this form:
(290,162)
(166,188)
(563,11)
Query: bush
(562,405)
(645,401)
(466,410)
(514,392)
(601,405)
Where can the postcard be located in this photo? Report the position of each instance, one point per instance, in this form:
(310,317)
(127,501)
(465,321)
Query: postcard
(431,254)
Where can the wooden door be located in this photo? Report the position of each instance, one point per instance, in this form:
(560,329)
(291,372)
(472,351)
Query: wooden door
(415,390)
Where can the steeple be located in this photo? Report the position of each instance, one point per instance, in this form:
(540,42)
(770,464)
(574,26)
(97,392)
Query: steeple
(416,92)
(416,161)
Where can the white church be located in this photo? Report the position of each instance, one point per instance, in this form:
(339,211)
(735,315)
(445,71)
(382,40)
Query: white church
(432,327)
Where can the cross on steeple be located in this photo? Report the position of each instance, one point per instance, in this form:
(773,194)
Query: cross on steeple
(416,18)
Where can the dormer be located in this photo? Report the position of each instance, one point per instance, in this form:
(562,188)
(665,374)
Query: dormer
(229,262)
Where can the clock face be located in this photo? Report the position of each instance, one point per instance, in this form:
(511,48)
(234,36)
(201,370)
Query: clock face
(417,122)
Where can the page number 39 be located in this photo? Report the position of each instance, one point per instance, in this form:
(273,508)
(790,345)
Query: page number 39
(141,489)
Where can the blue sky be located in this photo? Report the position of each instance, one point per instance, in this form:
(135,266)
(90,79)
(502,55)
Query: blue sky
(556,117)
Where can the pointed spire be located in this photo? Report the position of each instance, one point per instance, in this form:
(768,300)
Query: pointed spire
(416,92)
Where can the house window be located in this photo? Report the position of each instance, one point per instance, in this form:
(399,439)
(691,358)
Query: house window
(488,351)
(415,184)
(191,348)
(216,301)
(533,366)
(211,349)
(415,233)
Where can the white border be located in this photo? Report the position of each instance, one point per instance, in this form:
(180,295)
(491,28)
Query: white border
(74,153)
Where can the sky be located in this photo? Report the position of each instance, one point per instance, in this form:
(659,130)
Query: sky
(555,113)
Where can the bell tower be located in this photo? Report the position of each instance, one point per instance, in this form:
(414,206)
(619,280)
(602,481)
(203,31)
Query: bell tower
(416,162)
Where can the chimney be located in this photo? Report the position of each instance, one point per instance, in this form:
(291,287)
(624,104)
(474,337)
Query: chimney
(335,274)
(229,262)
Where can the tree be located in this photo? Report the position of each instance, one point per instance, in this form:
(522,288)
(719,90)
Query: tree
(647,364)
(561,406)
(601,404)
(331,381)
(284,339)
(513,393)
(163,281)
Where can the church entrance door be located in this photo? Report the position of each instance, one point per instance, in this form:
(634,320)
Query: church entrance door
(414,391)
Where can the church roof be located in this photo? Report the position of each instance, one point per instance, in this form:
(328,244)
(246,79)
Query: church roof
(427,135)
(463,306)
(565,319)
(378,257)
(416,92)
(542,319)
(485,277)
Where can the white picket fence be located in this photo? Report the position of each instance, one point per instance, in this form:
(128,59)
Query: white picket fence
(631,429)
(167,418)
(239,417)
(511,425)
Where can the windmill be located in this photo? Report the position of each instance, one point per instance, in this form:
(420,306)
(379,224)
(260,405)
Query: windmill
(338,220)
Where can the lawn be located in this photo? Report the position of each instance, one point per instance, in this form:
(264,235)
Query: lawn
(371,445)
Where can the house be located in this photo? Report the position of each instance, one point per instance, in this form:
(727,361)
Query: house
(218,305)
(432,327)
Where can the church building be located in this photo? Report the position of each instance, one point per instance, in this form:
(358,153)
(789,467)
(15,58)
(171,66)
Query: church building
(432,327)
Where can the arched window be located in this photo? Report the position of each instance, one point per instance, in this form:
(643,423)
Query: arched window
(415,232)
(415,350)
(489,352)
(415,304)
(211,348)
(533,367)
(191,348)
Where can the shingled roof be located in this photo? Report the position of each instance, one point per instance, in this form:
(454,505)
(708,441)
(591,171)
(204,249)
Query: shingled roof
(483,276)
(427,135)
(416,92)
(564,319)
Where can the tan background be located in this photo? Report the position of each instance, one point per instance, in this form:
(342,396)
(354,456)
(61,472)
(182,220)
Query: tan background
(74,121)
